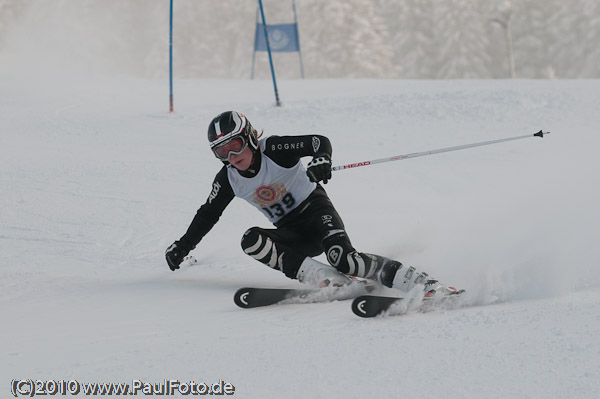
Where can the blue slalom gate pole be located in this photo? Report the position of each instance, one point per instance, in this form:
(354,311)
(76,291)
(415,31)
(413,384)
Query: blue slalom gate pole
(171,60)
(298,37)
(254,50)
(262,13)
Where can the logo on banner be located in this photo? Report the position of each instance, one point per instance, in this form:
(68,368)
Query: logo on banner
(282,37)
(278,39)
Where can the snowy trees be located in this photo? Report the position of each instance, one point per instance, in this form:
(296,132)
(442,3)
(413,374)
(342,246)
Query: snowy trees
(590,62)
(574,40)
(8,14)
(339,38)
(412,36)
(344,38)
(461,39)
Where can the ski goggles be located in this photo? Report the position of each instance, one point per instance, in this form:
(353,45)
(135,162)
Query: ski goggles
(235,146)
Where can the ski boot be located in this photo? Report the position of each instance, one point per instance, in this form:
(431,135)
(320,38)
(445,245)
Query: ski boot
(435,288)
(407,278)
(320,275)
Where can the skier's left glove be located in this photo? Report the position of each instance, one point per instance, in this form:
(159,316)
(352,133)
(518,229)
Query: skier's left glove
(176,253)
(319,169)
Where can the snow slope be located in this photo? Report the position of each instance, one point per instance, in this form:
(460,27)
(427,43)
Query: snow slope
(96,180)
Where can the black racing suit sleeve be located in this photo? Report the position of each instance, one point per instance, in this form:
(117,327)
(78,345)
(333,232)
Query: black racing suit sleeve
(209,213)
(286,151)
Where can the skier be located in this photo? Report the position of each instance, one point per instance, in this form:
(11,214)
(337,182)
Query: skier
(269,175)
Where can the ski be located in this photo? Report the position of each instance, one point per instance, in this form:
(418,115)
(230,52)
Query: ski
(374,305)
(253,297)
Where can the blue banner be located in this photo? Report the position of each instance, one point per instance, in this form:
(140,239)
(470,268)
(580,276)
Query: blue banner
(282,38)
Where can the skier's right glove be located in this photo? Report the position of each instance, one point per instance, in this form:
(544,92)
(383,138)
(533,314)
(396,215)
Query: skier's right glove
(319,169)
(175,254)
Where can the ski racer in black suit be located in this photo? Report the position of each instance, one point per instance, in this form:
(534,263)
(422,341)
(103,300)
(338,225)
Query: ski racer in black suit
(269,175)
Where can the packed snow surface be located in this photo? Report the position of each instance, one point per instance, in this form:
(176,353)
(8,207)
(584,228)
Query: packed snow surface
(97,179)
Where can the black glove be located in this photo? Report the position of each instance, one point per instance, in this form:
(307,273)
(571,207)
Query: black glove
(175,254)
(319,169)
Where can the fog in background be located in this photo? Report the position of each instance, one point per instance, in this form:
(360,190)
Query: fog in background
(425,39)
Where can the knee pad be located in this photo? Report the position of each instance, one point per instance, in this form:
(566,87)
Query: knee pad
(342,255)
(261,247)
(250,238)
(257,244)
